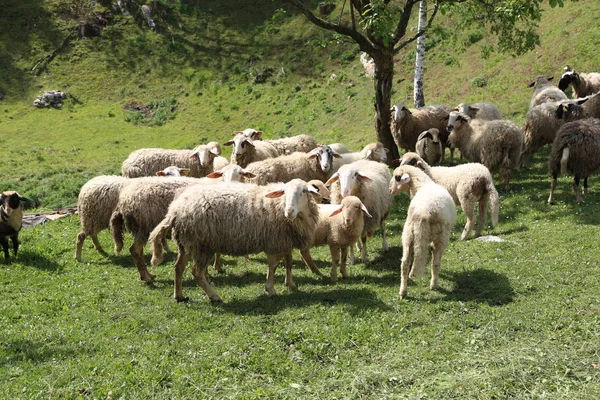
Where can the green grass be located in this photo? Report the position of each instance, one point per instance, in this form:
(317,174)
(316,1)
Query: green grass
(517,319)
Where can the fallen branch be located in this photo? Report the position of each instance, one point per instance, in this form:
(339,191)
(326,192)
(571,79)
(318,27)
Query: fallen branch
(43,62)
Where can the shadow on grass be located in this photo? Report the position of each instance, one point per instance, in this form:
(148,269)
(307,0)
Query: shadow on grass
(23,350)
(36,260)
(480,285)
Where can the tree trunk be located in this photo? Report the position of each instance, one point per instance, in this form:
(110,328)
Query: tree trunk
(419,94)
(383,79)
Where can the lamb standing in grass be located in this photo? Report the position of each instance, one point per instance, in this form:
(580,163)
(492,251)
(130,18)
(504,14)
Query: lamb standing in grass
(340,226)
(145,162)
(367,180)
(583,84)
(431,217)
(495,144)
(238,220)
(11,220)
(468,184)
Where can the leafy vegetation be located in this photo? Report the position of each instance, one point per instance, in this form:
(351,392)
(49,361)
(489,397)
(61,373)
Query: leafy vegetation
(517,319)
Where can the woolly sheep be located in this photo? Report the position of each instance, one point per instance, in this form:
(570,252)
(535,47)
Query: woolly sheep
(322,189)
(576,149)
(544,91)
(145,162)
(367,180)
(587,107)
(220,162)
(407,125)
(429,146)
(339,148)
(11,220)
(583,84)
(97,199)
(431,217)
(173,171)
(340,226)
(246,150)
(274,219)
(288,145)
(495,144)
(487,111)
(313,165)
(468,184)
(372,151)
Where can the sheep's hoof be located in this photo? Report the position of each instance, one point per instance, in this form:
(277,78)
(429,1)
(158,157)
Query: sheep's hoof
(271,292)
(148,278)
(403,294)
(182,299)
(216,299)
(293,287)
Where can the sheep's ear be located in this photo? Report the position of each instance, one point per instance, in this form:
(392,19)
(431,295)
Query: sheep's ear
(424,135)
(532,84)
(334,178)
(581,101)
(336,211)
(184,171)
(313,190)
(215,175)
(404,179)
(248,142)
(257,134)
(25,199)
(363,177)
(276,193)
(368,155)
(313,153)
(406,109)
(335,154)
(238,133)
(230,142)
(420,165)
(195,156)
(160,173)
(364,209)
(248,175)
(473,108)
(216,151)
(455,109)
(386,150)
(550,78)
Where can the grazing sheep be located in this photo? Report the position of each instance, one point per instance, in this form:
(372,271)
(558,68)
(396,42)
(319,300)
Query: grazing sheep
(407,125)
(575,149)
(11,220)
(306,166)
(238,220)
(145,162)
(173,171)
(367,180)
(487,111)
(431,217)
(429,146)
(98,198)
(246,150)
(340,226)
(544,91)
(339,148)
(373,151)
(583,84)
(495,144)
(468,184)
(142,205)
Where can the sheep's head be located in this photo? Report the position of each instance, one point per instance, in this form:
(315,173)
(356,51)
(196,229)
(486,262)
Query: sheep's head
(399,111)
(374,152)
(250,134)
(173,171)
(541,80)
(567,79)
(240,144)
(298,195)
(404,176)
(572,110)
(413,159)
(352,209)
(322,189)
(456,119)
(350,180)
(10,201)
(432,134)
(232,173)
(205,153)
(467,109)
(325,156)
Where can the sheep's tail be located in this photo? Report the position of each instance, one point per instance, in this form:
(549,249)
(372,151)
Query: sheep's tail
(117,225)
(157,240)
(421,249)
(564,160)
(505,167)
(494,202)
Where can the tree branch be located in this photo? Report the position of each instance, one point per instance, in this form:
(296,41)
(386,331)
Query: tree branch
(421,32)
(362,41)
(403,23)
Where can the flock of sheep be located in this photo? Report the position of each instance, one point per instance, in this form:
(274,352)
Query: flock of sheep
(267,197)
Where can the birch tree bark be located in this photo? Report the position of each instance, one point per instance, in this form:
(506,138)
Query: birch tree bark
(419,94)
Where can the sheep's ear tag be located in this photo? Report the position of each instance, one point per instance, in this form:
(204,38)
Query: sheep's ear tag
(275,194)
(214,175)
(364,209)
(336,212)
(404,179)
(160,173)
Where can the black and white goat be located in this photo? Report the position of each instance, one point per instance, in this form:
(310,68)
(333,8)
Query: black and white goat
(11,220)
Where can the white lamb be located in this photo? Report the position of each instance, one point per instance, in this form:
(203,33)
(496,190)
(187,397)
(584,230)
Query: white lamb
(238,220)
(372,151)
(468,184)
(431,217)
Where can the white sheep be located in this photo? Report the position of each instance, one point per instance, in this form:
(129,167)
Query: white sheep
(487,111)
(145,162)
(315,164)
(339,148)
(407,125)
(429,146)
(11,220)
(583,84)
(372,151)
(238,220)
(97,200)
(468,184)
(544,91)
(322,189)
(246,150)
(431,217)
(367,180)
(495,144)
(340,226)
(173,170)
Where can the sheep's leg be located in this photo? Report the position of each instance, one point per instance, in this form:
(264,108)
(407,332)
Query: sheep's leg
(365,256)
(272,261)
(351,259)
(407,255)
(552,188)
(335,261)
(4,243)
(182,260)
(576,189)
(343,262)
(386,248)
(217,265)
(201,260)
(585,185)
(308,260)
(79,245)
(15,242)
(96,242)
(482,209)
(468,209)
(289,280)
(166,245)
(137,252)
(435,265)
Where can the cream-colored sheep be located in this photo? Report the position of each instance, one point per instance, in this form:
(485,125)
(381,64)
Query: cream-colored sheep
(431,217)
(238,220)
(246,150)
(468,184)
(322,189)
(407,125)
(372,151)
(339,148)
(340,226)
(173,170)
